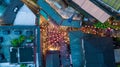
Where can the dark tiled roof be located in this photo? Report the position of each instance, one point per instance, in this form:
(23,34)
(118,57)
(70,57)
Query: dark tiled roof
(21,55)
(26,54)
(13,56)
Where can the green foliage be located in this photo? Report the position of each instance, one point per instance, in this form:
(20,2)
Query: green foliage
(118,65)
(105,25)
(17,42)
(23,65)
(21,39)
(102,25)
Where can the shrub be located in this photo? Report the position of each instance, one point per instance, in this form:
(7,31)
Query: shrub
(17,42)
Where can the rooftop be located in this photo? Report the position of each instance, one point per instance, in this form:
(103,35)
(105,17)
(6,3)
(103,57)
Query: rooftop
(112,3)
(93,10)
(25,16)
(18,55)
(17,44)
(52,14)
(90,51)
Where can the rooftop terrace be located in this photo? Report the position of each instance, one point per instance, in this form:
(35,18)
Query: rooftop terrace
(18,36)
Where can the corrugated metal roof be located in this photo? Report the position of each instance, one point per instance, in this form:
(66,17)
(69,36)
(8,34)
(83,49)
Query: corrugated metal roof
(93,10)
(76,48)
(92,51)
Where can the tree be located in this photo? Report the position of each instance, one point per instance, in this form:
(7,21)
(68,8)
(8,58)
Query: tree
(102,25)
(21,39)
(15,42)
(106,25)
(18,41)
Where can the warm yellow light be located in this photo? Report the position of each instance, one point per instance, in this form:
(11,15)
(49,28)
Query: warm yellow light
(54,48)
(51,49)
